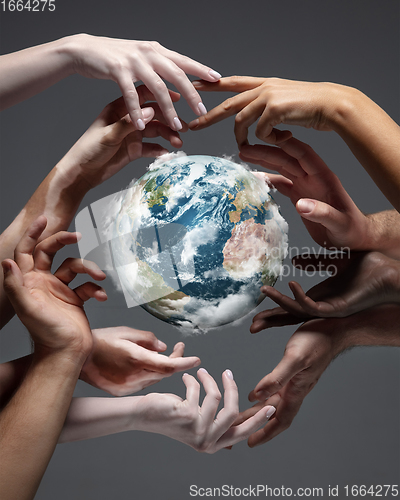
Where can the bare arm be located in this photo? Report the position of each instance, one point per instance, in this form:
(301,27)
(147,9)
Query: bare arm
(30,71)
(370,133)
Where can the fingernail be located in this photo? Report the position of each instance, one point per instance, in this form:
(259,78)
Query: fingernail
(198,362)
(229,374)
(196,83)
(194,123)
(305,206)
(177,123)
(140,124)
(203,370)
(262,395)
(161,345)
(202,109)
(185,374)
(215,74)
(270,412)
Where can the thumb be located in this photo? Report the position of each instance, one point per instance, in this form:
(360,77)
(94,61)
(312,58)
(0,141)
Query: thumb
(333,220)
(277,379)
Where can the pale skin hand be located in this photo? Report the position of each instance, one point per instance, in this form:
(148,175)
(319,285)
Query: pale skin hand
(322,106)
(30,71)
(107,146)
(124,360)
(362,281)
(31,422)
(308,353)
(329,214)
(169,415)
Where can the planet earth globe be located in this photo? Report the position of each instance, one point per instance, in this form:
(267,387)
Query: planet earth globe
(195,238)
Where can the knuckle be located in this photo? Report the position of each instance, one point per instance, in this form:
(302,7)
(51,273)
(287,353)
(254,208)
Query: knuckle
(147,46)
(216,396)
(228,104)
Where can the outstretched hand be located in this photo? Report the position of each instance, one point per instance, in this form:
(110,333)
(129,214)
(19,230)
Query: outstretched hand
(271,101)
(199,427)
(52,312)
(329,214)
(124,360)
(129,61)
(361,281)
(112,141)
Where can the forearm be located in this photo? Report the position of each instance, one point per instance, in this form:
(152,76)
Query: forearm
(11,376)
(58,198)
(378,326)
(372,136)
(30,71)
(95,417)
(31,423)
(384,232)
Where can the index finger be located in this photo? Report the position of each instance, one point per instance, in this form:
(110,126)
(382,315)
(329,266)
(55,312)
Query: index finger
(230,84)
(228,108)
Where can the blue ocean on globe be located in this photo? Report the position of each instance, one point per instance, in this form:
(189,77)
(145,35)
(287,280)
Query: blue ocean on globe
(195,238)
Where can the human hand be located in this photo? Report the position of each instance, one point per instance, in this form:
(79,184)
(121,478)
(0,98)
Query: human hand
(361,281)
(196,426)
(111,142)
(272,101)
(124,360)
(329,214)
(128,61)
(50,310)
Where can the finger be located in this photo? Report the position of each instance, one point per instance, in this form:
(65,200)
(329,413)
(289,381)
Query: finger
(310,162)
(230,84)
(158,129)
(13,285)
(178,351)
(227,416)
(242,431)
(280,183)
(275,158)
(228,108)
(23,253)
(158,115)
(160,91)
(212,399)
(166,365)
(130,95)
(285,302)
(287,368)
(174,74)
(147,340)
(47,249)
(288,407)
(91,290)
(273,318)
(192,389)
(189,65)
(336,222)
(245,118)
(319,309)
(145,95)
(71,267)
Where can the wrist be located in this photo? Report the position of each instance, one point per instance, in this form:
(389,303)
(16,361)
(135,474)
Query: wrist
(70,48)
(71,356)
(341,105)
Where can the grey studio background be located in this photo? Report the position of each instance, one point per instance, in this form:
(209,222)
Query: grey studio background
(347,431)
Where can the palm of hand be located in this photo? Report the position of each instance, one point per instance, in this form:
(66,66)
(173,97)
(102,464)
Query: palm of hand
(55,309)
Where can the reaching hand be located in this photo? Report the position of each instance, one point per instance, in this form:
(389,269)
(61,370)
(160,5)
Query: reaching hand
(271,101)
(128,61)
(51,311)
(196,426)
(364,280)
(308,353)
(329,214)
(111,142)
(124,360)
